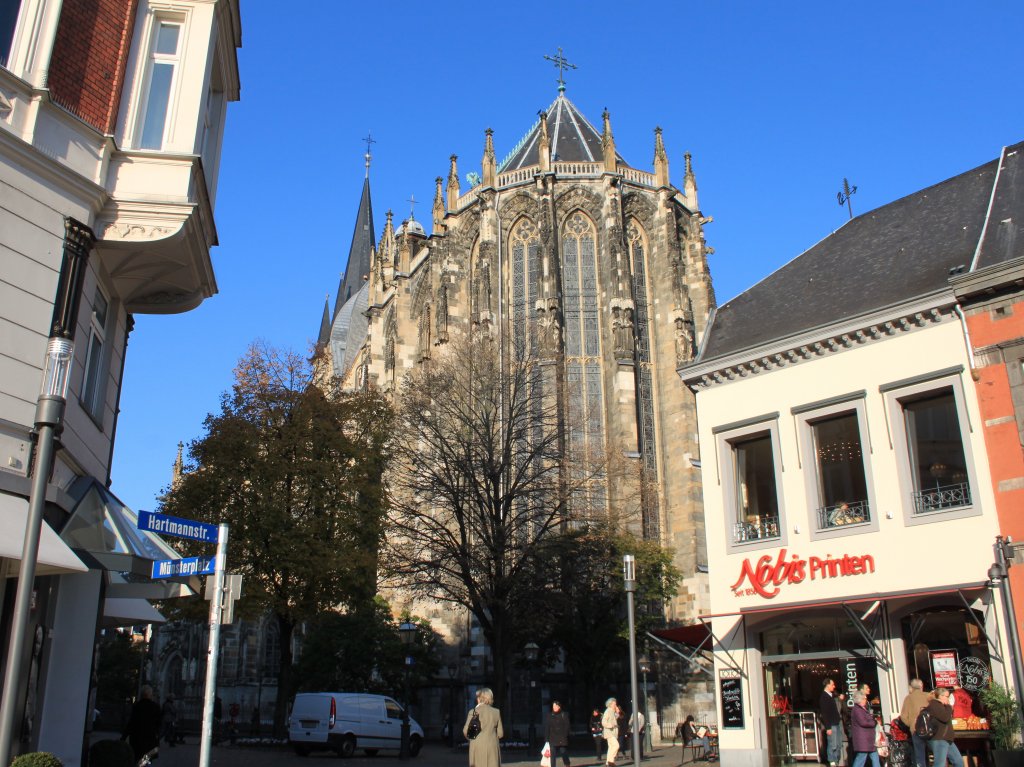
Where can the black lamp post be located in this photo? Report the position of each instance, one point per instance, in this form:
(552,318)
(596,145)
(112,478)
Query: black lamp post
(645,667)
(999,577)
(531,651)
(629,578)
(453,670)
(407,631)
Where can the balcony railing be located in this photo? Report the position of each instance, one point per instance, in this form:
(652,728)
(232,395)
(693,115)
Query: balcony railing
(942,497)
(756,530)
(843,514)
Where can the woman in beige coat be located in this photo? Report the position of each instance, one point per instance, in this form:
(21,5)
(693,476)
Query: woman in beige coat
(484,749)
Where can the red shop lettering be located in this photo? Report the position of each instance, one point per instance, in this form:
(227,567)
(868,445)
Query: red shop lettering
(767,577)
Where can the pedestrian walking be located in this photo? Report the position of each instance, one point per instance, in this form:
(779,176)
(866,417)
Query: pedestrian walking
(556,733)
(484,749)
(597,733)
(610,725)
(832,721)
(143,728)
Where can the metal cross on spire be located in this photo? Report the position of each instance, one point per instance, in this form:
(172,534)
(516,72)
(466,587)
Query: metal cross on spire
(562,63)
(369,140)
(412,207)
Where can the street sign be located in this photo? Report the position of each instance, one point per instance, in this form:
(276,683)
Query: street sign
(171,568)
(183,528)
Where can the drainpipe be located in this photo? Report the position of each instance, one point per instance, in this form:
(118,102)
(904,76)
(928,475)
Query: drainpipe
(967,340)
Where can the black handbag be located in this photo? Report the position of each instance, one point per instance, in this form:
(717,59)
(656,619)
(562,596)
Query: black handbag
(474,725)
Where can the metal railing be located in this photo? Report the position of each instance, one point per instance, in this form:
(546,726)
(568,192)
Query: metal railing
(942,497)
(841,514)
(753,531)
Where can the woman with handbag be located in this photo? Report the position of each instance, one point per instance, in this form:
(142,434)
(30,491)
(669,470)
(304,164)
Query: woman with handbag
(483,730)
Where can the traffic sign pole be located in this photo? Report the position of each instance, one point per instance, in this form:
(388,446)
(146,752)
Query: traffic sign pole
(213,652)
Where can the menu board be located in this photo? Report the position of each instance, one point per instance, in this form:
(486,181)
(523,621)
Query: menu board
(944,668)
(730,691)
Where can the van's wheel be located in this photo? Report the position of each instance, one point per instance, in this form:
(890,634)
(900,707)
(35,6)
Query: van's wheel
(415,744)
(348,747)
(300,750)
(370,751)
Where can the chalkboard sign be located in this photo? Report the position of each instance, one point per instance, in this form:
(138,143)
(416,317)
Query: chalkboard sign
(731,692)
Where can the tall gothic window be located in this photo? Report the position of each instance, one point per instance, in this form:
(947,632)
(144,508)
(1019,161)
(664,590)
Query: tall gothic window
(524,245)
(644,383)
(585,425)
(424,334)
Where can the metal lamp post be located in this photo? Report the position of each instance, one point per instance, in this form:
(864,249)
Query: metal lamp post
(999,575)
(532,652)
(407,631)
(453,670)
(645,666)
(629,575)
(49,421)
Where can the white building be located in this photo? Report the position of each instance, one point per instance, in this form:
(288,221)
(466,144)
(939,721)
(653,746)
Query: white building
(111,120)
(848,501)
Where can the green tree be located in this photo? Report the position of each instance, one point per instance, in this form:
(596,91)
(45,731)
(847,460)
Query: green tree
(295,471)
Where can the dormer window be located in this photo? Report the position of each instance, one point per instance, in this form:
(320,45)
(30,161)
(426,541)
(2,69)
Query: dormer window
(163,65)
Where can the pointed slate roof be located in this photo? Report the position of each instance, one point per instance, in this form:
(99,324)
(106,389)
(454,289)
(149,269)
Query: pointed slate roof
(573,139)
(358,269)
(894,254)
(325,325)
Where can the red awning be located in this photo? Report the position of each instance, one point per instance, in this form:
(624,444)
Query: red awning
(694,635)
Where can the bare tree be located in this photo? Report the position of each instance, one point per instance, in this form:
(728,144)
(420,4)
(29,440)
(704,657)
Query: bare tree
(478,486)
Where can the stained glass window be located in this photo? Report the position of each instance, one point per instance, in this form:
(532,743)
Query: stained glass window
(525,247)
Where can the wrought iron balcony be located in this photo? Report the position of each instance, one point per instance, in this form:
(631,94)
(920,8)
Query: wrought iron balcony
(942,497)
(853,513)
(756,530)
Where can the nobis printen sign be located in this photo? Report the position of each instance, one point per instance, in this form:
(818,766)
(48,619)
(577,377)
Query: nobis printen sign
(767,576)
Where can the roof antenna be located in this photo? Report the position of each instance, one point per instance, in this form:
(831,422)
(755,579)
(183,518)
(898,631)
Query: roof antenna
(845,195)
(369,140)
(562,63)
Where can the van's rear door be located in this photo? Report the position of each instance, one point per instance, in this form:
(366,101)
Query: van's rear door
(311,718)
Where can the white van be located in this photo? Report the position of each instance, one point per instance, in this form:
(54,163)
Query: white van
(345,721)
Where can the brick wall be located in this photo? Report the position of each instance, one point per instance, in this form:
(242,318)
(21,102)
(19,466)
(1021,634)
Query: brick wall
(90,53)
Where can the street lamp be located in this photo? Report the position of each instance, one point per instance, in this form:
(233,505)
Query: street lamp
(407,631)
(629,575)
(645,666)
(49,421)
(999,575)
(453,670)
(532,652)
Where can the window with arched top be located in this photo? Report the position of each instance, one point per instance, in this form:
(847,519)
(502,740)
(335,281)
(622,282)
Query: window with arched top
(524,245)
(585,419)
(424,333)
(636,240)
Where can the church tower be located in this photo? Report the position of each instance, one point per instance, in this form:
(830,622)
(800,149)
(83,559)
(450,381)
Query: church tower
(567,249)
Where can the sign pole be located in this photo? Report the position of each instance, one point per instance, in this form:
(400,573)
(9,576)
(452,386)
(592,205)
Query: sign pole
(213,652)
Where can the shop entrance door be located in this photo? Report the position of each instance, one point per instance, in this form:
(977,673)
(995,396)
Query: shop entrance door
(793,685)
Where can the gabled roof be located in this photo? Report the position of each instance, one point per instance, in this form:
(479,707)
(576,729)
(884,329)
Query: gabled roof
(889,256)
(573,139)
(357,271)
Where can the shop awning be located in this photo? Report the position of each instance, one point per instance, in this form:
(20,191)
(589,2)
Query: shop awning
(129,612)
(54,557)
(694,635)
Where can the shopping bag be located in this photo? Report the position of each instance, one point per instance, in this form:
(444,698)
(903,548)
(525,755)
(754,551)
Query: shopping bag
(545,755)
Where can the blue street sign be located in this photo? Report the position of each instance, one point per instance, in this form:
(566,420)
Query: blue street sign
(170,568)
(183,528)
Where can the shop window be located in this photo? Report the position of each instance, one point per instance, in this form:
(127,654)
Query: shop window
(750,462)
(8,22)
(930,430)
(162,66)
(93,388)
(946,646)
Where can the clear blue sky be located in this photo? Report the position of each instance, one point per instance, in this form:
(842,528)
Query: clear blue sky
(777,102)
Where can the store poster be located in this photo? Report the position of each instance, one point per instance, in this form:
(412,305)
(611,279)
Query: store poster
(944,668)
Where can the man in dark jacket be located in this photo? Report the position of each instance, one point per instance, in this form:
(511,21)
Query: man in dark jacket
(556,733)
(143,729)
(832,721)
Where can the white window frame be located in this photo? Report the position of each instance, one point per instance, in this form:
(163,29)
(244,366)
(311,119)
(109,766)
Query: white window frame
(92,395)
(157,17)
(806,416)
(897,392)
(726,436)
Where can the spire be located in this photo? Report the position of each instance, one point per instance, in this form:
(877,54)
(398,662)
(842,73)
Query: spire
(490,164)
(357,270)
(179,468)
(452,190)
(544,144)
(690,184)
(439,226)
(608,142)
(325,322)
(660,160)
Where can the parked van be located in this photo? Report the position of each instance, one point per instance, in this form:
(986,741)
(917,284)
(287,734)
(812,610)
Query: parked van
(345,721)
